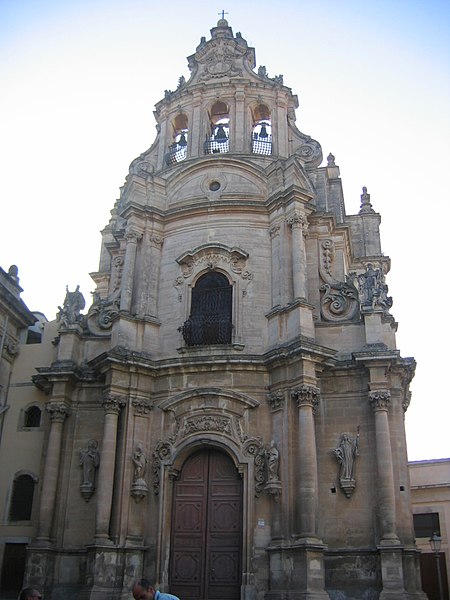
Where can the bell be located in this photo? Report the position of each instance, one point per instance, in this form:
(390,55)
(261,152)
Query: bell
(220,134)
(263,133)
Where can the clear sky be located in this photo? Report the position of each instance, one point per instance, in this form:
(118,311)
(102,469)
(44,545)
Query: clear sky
(78,84)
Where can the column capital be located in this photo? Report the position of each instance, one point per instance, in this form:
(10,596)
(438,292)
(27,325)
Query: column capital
(276,400)
(156,241)
(113,403)
(298,220)
(274,230)
(380,399)
(306,395)
(58,411)
(132,235)
(142,406)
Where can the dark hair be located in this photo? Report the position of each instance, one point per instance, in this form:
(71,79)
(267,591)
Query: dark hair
(143,583)
(27,592)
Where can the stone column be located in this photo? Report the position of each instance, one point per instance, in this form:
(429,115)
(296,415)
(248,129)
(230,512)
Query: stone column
(132,238)
(58,412)
(274,232)
(307,398)
(112,406)
(241,134)
(299,226)
(380,401)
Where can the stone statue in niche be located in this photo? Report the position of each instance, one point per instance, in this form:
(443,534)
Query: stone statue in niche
(89,461)
(373,289)
(74,303)
(273,485)
(139,488)
(273,460)
(345,454)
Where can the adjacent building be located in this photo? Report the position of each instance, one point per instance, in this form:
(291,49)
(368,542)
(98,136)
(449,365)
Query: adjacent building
(430,493)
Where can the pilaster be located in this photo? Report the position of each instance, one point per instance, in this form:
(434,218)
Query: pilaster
(126,296)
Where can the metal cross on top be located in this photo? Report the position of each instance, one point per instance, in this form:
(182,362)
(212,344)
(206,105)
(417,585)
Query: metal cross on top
(223,13)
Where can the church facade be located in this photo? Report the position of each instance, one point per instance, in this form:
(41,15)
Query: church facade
(227,417)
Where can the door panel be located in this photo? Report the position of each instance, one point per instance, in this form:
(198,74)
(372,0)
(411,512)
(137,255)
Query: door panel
(206,536)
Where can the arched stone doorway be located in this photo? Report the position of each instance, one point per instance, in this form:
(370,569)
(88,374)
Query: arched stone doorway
(206,529)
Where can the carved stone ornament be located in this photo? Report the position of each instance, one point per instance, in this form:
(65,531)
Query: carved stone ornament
(380,399)
(113,404)
(276,400)
(142,406)
(11,348)
(222,56)
(58,411)
(254,447)
(139,488)
(346,453)
(339,300)
(89,461)
(298,220)
(211,256)
(207,423)
(262,72)
(102,314)
(274,230)
(162,452)
(306,395)
(373,289)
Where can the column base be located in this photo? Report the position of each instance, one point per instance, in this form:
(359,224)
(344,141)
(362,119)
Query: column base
(392,576)
(297,571)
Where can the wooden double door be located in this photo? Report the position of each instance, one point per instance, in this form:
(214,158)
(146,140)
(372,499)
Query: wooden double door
(206,531)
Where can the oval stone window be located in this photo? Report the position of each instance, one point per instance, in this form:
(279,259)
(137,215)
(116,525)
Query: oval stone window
(214,186)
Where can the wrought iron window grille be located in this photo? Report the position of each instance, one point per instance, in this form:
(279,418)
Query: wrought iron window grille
(210,319)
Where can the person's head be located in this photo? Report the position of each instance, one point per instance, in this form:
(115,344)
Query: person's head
(143,589)
(30,593)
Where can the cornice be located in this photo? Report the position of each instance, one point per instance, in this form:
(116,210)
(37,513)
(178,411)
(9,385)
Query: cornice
(229,360)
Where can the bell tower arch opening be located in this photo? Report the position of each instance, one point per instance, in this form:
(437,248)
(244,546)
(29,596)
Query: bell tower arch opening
(178,149)
(261,130)
(218,139)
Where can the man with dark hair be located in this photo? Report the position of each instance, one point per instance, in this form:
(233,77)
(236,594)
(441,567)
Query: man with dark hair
(30,593)
(144,589)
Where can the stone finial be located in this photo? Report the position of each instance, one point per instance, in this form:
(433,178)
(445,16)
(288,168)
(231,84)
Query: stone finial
(366,206)
(330,160)
(13,272)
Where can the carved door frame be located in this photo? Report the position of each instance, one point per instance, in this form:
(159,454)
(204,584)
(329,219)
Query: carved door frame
(208,417)
(171,468)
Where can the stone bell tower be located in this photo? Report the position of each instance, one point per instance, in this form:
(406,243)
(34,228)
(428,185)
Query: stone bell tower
(228,417)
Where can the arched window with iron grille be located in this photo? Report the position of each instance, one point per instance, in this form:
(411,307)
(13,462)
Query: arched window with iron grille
(210,321)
